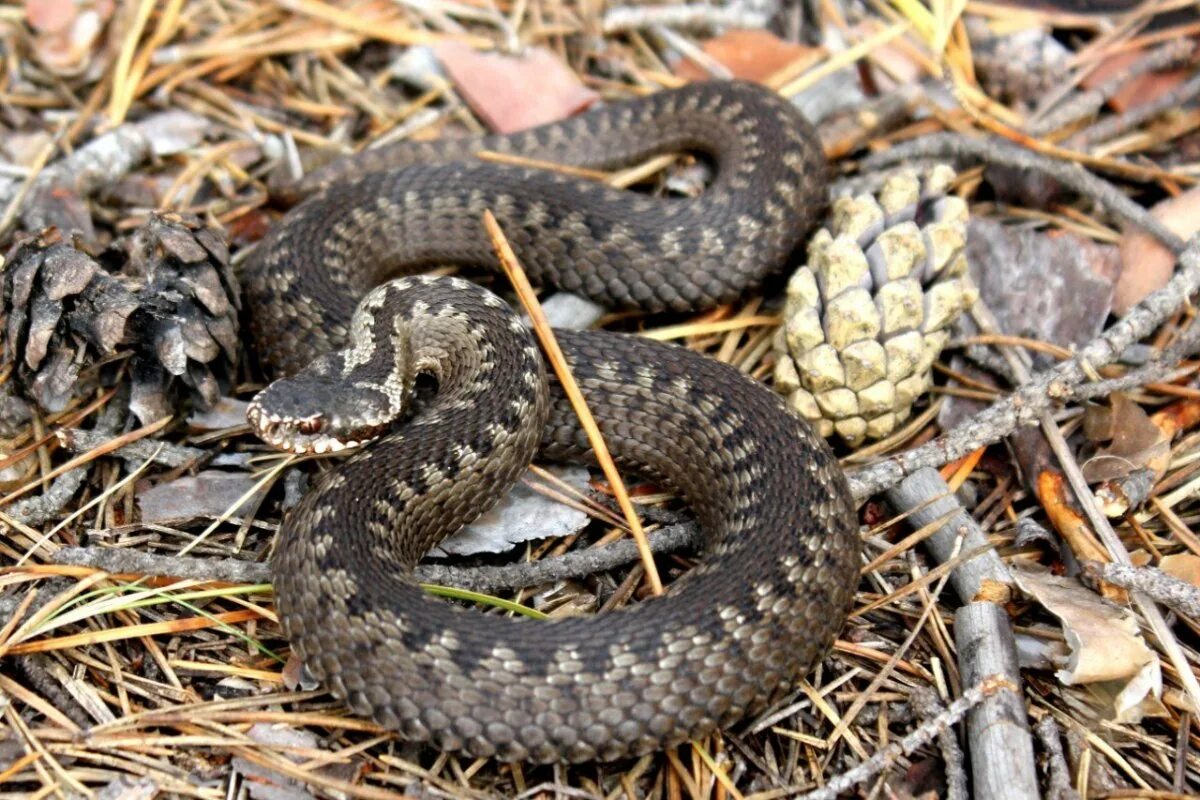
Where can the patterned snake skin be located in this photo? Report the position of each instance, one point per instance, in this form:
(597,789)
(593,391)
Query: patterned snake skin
(730,636)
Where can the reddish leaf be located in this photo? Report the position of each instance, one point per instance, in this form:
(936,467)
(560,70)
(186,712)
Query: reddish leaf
(1135,441)
(67,31)
(1140,90)
(51,15)
(1184,566)
(1145,264)
(513,93)
(751,54)
(249,227)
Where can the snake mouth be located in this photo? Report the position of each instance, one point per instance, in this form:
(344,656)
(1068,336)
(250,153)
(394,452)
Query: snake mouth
(298,435)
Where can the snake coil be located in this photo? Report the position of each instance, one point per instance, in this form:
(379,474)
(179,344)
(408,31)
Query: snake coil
(730,636)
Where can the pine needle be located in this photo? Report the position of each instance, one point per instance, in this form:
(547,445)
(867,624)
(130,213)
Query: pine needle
(541,326)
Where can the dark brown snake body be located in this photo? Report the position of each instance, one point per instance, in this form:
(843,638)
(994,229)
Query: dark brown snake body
(730,636)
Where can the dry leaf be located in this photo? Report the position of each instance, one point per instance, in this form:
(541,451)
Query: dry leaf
(296,676)
(1146,265)
(1136,91)
(1106,649)
(50,16)
(66,31)
(1103,637)
(752,55)
(1140,558)
(1184,566)
(1136,698)
(897,63)
(1043,287)
(1136,442)
(514,93)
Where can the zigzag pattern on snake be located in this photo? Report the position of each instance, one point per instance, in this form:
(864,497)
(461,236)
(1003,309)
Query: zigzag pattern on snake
(773,587)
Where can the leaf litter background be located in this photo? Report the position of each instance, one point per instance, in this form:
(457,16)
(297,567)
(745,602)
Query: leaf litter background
(131,685)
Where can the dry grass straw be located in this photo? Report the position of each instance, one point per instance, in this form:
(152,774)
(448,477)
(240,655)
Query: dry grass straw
(558,362)
(115,444)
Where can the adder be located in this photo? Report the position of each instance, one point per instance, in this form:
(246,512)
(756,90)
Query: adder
(335,303)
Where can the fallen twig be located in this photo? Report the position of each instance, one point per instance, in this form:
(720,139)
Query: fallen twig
(1082,104)
(998,152)
(1002,764)
(924,701)
(921,736)
(927,498)
(158,451)
(1099,522)
(36,668)
(1058,771)
(1044,390)
(1111,127)
(34,511)
(1178,595)
(105,160)
(572,565)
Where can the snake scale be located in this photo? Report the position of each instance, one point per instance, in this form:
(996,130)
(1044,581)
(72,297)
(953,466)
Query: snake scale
(330,302)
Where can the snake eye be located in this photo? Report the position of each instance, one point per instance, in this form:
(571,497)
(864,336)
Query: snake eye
(311,425)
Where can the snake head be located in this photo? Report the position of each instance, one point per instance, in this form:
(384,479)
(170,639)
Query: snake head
(320,411)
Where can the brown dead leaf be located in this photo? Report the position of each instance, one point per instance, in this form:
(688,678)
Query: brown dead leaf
(66,31)
(1146,265)
(514,93)
(752,55)
(1179,416)
(1136,442)
(1137,91)
(1107,651)
(249,227)
(1103,637)
(51,16)
(1184,566)
(897,64)
(295,676)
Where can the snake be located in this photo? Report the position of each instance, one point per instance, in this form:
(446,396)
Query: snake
(346,317)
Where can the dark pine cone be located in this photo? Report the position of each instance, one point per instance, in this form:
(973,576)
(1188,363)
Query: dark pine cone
(158,308)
